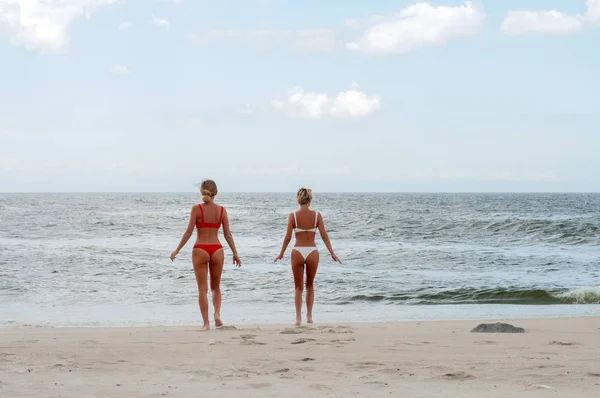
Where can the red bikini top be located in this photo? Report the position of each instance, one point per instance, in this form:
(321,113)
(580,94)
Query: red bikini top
(202,224)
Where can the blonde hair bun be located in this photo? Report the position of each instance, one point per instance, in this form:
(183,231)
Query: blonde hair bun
(304,196)
(208,189)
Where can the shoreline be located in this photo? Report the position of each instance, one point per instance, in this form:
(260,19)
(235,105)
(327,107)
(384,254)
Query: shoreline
(557,356)
(290,324)
(98,316)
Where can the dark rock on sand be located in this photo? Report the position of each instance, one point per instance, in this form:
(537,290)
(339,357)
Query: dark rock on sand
(497,328)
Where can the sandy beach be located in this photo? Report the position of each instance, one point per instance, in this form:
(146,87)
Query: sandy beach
(554,357)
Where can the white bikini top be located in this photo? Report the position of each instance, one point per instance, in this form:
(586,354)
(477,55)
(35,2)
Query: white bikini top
(306,230)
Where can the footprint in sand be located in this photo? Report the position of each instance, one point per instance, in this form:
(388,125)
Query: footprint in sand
(458,376)
(377,383)
(247,339)
(321,387)
(283,370)
(569,343)
(201,374)
(4,357)
(252,342)
(338,329)
(301,341)
(340,341)
(256,386)
(291,331)
(226,327)
(391,371)
(363,365)
(245,336)
(91,342)
(594,374)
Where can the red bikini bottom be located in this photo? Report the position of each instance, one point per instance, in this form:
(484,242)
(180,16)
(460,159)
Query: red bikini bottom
(210,249)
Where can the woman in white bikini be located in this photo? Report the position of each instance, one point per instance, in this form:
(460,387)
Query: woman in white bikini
(304,252)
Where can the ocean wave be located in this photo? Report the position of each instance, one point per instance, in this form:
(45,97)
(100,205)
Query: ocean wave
(587,295)
(572,231)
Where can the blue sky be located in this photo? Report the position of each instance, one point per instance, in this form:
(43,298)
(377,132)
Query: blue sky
(268,95)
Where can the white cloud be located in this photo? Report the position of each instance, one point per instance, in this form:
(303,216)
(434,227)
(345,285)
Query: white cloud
(549,22)
(44,25)
(418,26)
(593,10)
(118,69)
(163,23)
(553,22)
(353,23)
(125,25)
(312,40)
(353,103)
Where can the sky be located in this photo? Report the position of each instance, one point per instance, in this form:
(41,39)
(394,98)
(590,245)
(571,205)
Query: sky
(271,95)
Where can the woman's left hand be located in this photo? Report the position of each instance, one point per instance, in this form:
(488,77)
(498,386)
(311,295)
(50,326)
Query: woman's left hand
(173,255)
(237,261)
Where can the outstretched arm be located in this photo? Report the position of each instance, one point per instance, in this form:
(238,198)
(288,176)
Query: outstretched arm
(325,238)
(288,237)
(188,232)
(229,239)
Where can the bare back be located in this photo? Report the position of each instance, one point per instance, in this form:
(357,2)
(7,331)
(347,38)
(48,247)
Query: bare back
(208,221)
(305,223)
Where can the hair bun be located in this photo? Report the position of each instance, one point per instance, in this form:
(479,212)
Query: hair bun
(208,189)
(206,195)
(304,196)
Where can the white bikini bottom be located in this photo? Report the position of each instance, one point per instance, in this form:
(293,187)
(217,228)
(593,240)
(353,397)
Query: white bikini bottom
(305,250)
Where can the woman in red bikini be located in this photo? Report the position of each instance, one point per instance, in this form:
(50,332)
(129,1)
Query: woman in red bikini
(207,255)
(305,254)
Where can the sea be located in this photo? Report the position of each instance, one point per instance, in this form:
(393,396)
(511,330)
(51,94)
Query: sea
(102,259)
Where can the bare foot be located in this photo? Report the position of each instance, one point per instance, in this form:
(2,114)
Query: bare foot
(206,326)
(218,321)
(298,320)
(309,319)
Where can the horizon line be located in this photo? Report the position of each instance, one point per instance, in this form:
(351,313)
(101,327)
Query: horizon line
(320,192)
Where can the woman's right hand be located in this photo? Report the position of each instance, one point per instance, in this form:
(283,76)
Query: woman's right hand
(278,258)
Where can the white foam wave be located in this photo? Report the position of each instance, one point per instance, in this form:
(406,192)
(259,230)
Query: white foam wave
(584,295)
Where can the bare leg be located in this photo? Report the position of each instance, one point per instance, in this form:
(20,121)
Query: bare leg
(298,271)
(312,263)
(200,260)
(216,269)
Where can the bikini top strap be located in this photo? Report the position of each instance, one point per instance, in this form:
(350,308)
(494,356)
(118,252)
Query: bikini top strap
(201,211)
(221,216)
(295,221)
(316,218)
